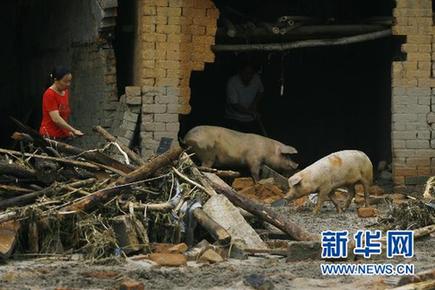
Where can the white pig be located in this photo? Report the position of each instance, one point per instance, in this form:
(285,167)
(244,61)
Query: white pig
(217,146)
(340,169)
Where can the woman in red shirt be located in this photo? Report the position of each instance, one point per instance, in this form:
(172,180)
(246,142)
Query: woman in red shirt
(55,107)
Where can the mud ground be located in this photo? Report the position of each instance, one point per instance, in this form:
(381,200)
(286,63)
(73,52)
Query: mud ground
(65,272)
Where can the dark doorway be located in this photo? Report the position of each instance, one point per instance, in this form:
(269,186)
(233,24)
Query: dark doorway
(333,98)
(124,42)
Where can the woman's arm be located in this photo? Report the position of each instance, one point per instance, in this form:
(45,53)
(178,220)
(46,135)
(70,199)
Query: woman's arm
(61,123)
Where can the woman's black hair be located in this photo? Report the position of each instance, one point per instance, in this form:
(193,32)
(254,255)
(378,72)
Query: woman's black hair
(58,73)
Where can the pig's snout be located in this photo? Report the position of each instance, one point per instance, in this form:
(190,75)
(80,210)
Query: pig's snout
(289,196)
(292,164)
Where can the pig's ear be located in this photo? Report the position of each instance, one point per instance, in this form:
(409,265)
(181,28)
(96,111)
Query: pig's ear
(295,180)
(285,149)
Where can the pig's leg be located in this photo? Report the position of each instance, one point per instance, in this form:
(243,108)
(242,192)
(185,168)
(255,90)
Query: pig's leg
(208,164)
(321,197)
(351,192)
(331,196)
(254,167)
(208,160)
(366,186)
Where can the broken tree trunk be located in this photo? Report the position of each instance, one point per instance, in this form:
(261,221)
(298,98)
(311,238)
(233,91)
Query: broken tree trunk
(30,197)
(8,238)
(425,285)
(141,173)
(14,189)
(221,210)
(220,173)
(16,170)
(151,166)
(266,214)
(214,229)
(126,234)
(57,159)
(91,155)
(136,158)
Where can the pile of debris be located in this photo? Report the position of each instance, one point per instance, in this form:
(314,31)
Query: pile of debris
(410,215)
(59,199)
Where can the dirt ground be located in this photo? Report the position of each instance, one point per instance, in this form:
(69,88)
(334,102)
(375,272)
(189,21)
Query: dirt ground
(52,272)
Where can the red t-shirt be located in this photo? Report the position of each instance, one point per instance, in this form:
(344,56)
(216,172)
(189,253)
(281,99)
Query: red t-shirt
(52,101)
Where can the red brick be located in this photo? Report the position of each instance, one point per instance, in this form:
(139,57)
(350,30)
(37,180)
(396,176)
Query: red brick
(176,3)
(148,10)
(178,249)
(203,4)
(168,28)
(203,20)
(148,28)
(366,212)
(131,285)
(160,3)
(212,12)
(180,20)
(242,182)
(405,171)
(168,81)
(168,11)
(376,190)
(194,12)
(418,56)
(169,260)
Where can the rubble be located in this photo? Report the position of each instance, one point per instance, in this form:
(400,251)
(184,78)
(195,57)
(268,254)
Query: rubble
(210,256)
(66,199)
(409,215)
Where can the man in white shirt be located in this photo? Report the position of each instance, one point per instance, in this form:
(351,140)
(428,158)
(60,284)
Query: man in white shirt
(244,91)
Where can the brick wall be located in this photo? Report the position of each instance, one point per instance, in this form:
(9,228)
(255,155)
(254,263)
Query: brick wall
(175,38)
(94,97)
(413,99)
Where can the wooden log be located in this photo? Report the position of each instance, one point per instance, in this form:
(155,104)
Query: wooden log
(93,155)
(126,234)
(33,237)
(220,173)
(419,277)
(279,252)
(429,190)
(14,189)
(303,43)
(425,285)
(266,214)
(141,173)
(16,170)
(162,207)
(424,231)
(206,186)
(57,159)
(109,137)
(151,166)
(8,238)
(228,216)
(212,227)
(266,31)
(30,197)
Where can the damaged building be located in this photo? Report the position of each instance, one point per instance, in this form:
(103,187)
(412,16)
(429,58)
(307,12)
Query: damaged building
(337,74)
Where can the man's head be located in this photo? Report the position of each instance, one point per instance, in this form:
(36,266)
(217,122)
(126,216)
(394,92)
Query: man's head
(246,73)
